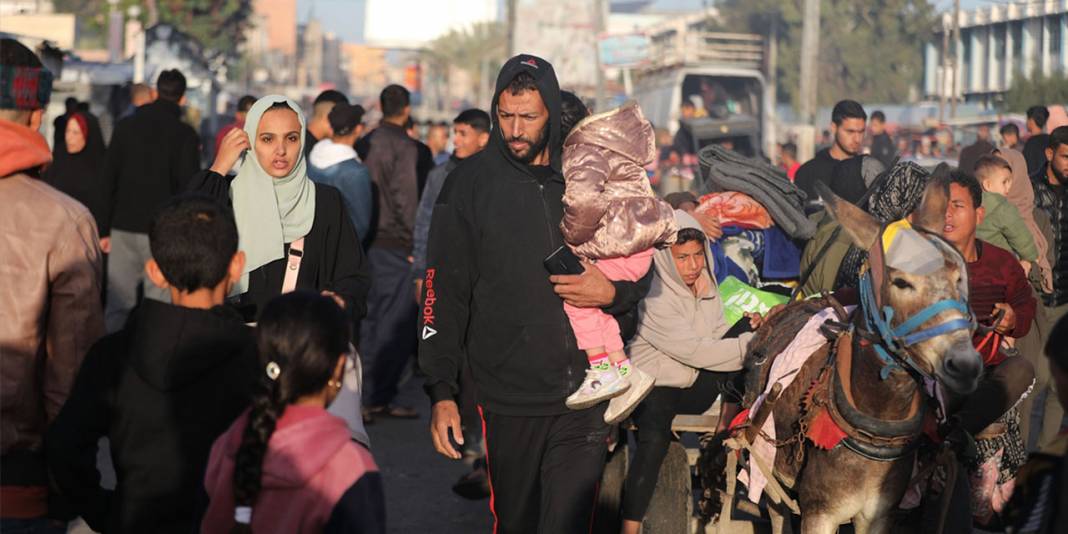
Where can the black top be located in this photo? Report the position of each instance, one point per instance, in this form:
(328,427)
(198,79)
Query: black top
(847,179)
(1053,200)
(882,147)
(423,164)
(162,390)
(309,143)
(487,294)
(819,168)
(333,258)
(80,175)
(1034,152)
(151,156)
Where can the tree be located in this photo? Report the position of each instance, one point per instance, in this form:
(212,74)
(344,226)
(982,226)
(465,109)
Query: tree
(870,50)
(478,50)
(1025,93)
(219,25)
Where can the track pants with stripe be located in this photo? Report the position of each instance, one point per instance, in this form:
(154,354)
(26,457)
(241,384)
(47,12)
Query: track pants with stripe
(544,471)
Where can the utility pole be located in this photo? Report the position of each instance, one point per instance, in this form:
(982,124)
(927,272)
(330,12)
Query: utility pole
(599,23)
(945,72)
(511,6)
(773,82)
(116,28)
(956,52)
(810,44)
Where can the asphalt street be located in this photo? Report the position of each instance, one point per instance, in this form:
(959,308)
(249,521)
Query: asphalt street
(417,479)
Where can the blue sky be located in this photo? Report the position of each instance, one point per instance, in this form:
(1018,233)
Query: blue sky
(345,17)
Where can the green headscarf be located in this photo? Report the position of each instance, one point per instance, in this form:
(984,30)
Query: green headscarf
(269,211)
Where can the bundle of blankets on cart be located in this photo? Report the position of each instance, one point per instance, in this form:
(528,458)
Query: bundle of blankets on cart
(764,227)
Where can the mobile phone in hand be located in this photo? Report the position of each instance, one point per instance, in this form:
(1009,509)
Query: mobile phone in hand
(563,261)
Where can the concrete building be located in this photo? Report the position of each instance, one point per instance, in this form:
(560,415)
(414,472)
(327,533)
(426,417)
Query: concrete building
(333,65)
(997,43)
(279,17)
(59,28)
(25,7)
(271,42)
(367,71)
(310,54)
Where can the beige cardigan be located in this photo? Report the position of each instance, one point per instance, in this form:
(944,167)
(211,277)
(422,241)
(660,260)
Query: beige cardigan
(680,333)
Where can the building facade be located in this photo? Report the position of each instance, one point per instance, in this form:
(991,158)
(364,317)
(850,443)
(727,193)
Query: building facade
(996,44)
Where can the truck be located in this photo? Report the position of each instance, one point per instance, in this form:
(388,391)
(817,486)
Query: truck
(722,74)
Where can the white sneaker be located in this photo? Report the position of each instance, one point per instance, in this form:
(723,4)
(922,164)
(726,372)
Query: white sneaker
(619,408)
(599,385)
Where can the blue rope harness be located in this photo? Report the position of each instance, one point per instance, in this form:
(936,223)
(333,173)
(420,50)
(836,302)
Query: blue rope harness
(894,341)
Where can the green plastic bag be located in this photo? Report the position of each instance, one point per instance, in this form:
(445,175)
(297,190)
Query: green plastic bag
(739,298)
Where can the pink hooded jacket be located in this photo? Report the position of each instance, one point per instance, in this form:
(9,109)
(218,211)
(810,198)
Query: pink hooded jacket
(311,467)
(610,209)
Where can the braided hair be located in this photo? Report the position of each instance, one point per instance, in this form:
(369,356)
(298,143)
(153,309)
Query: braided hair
(300,336)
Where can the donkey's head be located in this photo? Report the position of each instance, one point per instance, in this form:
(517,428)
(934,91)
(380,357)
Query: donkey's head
(915,269)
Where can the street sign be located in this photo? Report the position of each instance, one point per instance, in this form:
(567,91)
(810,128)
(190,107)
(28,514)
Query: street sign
(622,51)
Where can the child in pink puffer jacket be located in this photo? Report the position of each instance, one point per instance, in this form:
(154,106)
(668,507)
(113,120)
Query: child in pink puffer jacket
(612,218)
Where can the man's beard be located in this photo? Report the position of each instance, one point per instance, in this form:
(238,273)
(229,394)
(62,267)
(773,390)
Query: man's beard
(842,147)
(1058,175)
(536,146)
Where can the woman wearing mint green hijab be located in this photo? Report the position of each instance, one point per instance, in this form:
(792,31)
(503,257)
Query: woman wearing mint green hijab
(276,205)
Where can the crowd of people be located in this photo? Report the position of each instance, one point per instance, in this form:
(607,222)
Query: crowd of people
(231,331)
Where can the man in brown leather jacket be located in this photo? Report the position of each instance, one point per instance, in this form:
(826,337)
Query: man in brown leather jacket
(50,310)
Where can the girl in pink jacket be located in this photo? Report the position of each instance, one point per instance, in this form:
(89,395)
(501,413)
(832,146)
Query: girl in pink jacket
(288,465)
(612,218)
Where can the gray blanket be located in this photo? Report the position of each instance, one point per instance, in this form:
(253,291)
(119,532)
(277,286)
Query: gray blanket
(725,170)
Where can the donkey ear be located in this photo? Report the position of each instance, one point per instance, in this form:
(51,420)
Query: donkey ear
(931,213)
(860,226)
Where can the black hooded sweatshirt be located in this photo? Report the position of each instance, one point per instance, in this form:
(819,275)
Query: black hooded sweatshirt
(162,390)
(486,292)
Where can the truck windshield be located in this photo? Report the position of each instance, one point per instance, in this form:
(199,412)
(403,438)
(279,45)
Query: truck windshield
(722,97)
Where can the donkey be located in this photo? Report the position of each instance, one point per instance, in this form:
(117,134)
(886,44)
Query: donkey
(913,324)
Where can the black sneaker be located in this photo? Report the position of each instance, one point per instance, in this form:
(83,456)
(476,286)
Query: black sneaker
(473,486)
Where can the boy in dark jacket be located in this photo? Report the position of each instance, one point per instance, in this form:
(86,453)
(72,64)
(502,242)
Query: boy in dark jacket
(164,387)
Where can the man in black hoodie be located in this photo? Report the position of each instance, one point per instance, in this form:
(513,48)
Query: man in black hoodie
(163,388)
(151,157)
(487,295)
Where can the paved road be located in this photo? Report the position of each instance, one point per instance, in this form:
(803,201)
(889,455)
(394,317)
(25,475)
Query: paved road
(418,481)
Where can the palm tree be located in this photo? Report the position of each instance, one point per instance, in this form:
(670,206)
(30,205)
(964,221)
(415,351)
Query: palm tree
(478,50)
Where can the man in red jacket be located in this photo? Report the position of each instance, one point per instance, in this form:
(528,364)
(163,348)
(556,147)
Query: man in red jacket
(996,285)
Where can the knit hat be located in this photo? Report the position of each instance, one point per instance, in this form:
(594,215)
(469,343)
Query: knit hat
(25,84)
(345,118)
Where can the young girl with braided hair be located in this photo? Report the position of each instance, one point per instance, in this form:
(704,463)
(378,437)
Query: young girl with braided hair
(287,465)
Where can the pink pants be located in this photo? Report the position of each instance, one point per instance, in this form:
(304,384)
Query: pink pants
(595,328)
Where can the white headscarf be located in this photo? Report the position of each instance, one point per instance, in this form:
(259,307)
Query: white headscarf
(269,211)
